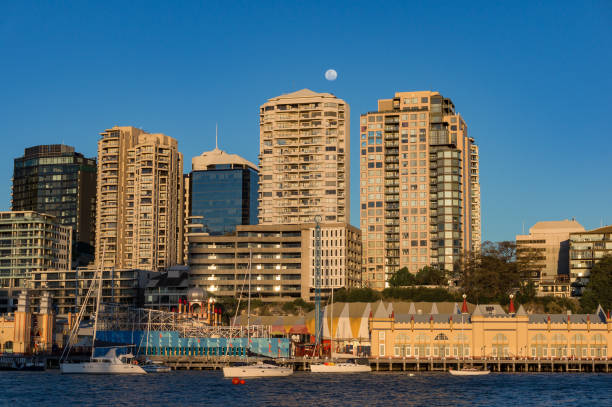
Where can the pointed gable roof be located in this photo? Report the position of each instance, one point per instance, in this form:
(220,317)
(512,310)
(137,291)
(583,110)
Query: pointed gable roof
(521,311)
(434,309)
(381,310)
(412,309)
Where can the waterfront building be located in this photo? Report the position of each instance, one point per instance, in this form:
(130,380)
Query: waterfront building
(29,242)
(586,249)
(282,260)
(304,159)
(488,331)
(166,290)
(419,192)
(139,222)
(68,288)
(25,331)
(546,248)
(56,180)
(222,192)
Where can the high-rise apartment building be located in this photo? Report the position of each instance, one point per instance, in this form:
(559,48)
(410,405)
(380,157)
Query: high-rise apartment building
(304,159)
(56,180)
(29,242)
(420,196)
(222,192)
(545,254)
(586,249)
(139,220)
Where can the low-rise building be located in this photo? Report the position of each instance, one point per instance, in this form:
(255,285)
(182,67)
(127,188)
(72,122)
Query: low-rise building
(68,288)
(586,249)
(282,257)
(30,242)
(26,331)
(166,290)
(546,251)
(488,331)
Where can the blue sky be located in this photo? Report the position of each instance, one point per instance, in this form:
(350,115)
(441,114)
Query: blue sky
(531,78)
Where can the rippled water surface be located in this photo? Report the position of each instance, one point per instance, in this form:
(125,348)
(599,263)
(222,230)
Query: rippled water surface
(185,388)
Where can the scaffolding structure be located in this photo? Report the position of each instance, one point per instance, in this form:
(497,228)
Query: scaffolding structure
(117,317)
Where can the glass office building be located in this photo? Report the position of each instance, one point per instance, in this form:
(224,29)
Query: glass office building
(56,180)
(222,192)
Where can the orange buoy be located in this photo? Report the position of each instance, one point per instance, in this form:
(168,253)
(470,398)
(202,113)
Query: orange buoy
(242,381)
(235,380)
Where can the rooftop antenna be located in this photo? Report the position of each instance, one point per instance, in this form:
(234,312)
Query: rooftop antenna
(216,136)
(523,227)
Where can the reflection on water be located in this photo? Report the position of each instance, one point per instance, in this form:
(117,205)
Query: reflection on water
(305,389)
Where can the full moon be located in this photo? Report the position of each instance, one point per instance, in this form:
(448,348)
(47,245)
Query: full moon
(331,75)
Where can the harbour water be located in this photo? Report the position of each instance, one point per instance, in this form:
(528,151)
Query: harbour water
(191,388)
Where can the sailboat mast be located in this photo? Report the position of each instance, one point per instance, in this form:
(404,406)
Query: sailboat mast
(148,333)
(331,343)
(95,328)
(249,298)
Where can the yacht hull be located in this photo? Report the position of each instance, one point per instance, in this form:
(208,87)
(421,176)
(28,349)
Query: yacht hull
(469,372)
(339,368)
(100,368)
(256,371)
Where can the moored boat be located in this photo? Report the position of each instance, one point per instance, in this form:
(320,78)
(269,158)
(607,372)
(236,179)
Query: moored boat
(339,367)
(469,371)
(107,364)
(257,370)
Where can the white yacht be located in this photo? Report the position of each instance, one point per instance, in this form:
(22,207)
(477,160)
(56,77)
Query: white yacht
(258,369)
(152,366)
(466,371)
(339,367)
(107,364)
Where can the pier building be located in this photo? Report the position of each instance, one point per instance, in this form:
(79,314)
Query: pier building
(487,331)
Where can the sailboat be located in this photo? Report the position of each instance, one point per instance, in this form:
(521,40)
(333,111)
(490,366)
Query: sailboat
(257,369)
(110,363)
(337,367)
(152,366)
(466,371)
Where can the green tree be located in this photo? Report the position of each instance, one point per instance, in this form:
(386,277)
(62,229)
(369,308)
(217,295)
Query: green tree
(431,276)
(491,274)
(402,278)
(599,288)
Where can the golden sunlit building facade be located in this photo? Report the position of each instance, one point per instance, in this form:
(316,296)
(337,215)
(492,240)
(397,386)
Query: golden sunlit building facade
(419,186)
(487,331)
(139,222)
(304,159)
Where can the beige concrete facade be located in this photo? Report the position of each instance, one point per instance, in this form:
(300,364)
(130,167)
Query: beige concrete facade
(586,249)
(475,192)
(547,245)
(304,159)
(490,332)
(282,260)
(29,242)
(139,222)
(419,192)
(18,331)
